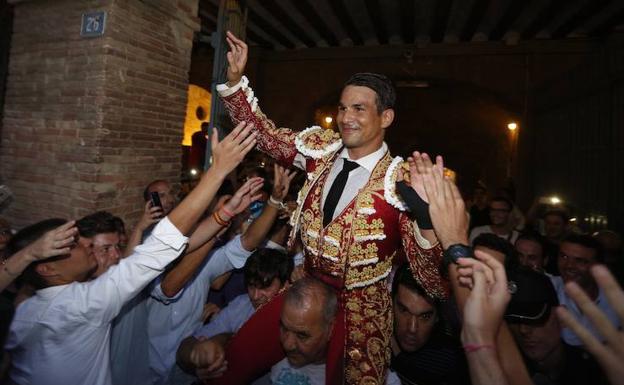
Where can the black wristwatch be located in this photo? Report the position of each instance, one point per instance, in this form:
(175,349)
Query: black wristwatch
(455,252)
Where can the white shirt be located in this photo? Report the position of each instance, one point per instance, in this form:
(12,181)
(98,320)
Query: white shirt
(601,301)
(510,237)
(358,177)
(129,345)
(61,335)
(283,373)
(170,320)
(229,320)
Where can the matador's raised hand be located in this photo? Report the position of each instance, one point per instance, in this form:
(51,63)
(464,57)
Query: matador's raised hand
(237,58)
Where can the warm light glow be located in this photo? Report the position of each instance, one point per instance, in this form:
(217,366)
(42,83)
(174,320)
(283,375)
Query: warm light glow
(193,172)
(512,126)
(555,200)
(573,219)
(197,112)
(328,119)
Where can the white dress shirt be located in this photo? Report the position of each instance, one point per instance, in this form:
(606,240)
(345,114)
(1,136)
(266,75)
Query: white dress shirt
(170,320)
(129,345)
(61,335)
(358,177)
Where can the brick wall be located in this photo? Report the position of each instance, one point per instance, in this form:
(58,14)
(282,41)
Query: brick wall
(90,121)
(6,22)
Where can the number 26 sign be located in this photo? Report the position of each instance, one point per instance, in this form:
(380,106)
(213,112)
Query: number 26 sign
(93,24)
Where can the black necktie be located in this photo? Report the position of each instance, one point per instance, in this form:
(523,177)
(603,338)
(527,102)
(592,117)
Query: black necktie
(336,190)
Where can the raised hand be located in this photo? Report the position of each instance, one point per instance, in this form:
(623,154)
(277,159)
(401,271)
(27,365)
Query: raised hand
(421,167)
(446,206)
(247,193)
(281,182)
(488,299)
(228,153)
(55,242)
(610,355)
(151,215)
(236,57)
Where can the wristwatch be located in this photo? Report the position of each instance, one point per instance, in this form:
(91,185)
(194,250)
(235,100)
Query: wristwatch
(455,252)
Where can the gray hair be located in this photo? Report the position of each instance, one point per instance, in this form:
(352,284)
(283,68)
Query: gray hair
(306,290)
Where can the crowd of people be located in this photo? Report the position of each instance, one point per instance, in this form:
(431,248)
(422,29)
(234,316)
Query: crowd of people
(367,269)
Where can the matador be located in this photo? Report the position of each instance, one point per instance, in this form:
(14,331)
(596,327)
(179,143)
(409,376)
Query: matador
(351,245)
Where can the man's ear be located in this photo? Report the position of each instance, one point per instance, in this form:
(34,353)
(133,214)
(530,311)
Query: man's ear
(45,269)
(387,117)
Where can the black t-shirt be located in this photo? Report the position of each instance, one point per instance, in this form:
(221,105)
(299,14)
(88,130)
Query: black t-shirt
(440,361)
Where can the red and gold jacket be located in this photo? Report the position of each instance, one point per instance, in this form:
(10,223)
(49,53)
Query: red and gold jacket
(356,251)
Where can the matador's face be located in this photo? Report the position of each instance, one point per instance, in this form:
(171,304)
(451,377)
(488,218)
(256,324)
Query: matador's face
(362,127)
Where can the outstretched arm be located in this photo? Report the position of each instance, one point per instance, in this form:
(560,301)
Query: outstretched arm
(242,105)
(259,228)
(227,154)
(482,318)
(203,239)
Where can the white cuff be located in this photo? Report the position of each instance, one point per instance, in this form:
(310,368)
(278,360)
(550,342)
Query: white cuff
(224,90)
(422,241)
(167,233)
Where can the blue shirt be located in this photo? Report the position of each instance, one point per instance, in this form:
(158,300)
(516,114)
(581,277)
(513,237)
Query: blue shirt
(228,320)
(171,319)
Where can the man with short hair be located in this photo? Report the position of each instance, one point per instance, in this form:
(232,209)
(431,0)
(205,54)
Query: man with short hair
(163,188)
(555,223)
(61,335)
(350,219)
(500,219)
(534,324)
(266,272)
(423,351)
(577,254)
(530,251)
(306,325)
(102,229)
(479,210)
(495,246)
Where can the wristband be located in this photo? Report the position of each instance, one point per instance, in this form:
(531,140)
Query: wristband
(470,348)
(227,212)
(220,220)
(275,203)
(416,205)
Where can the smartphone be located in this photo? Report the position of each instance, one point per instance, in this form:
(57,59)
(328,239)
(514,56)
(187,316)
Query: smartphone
(155,198)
